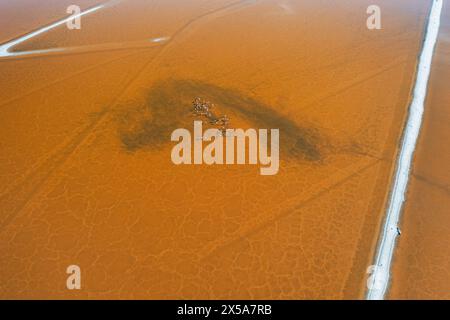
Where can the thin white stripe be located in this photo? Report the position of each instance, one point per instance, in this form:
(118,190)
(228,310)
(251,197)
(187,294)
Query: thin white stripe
(381,273)
(4,48)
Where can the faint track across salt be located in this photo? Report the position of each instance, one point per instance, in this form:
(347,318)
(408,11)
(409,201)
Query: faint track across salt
(379,281)
(59,157)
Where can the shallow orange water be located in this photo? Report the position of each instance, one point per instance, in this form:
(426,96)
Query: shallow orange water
(85,171)
(422,262)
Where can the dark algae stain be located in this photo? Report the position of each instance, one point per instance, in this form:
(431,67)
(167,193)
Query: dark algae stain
(168,106)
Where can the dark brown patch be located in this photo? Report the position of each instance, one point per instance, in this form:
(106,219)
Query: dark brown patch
(168,106)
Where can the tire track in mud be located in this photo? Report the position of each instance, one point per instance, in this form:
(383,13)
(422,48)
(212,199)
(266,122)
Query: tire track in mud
(58,54)
(17,197)
(70,76)
(86,49)
(360,80)
(12,202)
(220,244)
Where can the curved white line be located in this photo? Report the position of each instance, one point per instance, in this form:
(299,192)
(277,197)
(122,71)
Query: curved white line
(380,276)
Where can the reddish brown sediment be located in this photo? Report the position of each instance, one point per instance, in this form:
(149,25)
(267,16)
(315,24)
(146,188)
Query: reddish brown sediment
(86,176)
(421,267)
